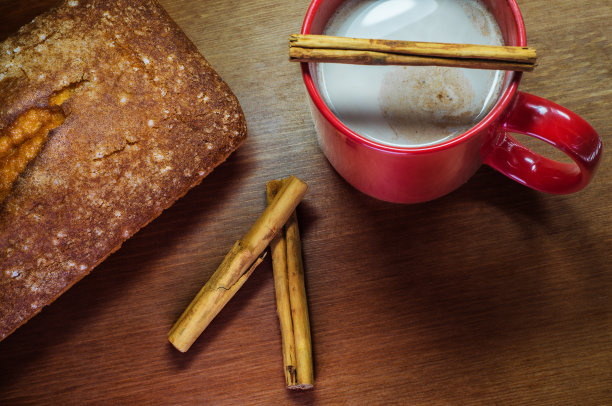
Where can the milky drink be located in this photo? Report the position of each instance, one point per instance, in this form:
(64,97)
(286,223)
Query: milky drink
(411,106)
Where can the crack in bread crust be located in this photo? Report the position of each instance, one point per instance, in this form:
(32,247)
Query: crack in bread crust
(25,137)
(22,141)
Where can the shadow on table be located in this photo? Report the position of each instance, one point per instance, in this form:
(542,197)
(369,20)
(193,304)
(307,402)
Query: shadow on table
(472,262)
(16,13)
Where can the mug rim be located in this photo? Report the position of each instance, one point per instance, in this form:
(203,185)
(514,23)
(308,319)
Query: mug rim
(501,105)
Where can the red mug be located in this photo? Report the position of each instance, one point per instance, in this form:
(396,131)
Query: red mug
(412,175)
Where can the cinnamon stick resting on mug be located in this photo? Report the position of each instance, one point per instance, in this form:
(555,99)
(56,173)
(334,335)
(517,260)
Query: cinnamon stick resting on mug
(361,51)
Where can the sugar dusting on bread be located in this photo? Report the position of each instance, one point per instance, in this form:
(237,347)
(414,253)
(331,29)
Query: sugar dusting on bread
(146,119)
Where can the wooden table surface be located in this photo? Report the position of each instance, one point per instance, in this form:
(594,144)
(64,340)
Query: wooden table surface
(494,294)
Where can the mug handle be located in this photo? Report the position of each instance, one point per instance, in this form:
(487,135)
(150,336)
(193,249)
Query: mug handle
(540,118)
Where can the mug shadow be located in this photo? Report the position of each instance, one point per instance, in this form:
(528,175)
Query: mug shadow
(478,290)
(112,279)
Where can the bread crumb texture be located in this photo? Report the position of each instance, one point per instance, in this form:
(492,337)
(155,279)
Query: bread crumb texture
(146,118)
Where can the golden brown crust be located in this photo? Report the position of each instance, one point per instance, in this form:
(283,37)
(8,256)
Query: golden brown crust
(146,120)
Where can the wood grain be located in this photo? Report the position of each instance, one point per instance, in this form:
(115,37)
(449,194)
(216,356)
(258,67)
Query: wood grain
(494,294)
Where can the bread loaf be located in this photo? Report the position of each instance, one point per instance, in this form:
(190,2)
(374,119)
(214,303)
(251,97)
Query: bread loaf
(144,118)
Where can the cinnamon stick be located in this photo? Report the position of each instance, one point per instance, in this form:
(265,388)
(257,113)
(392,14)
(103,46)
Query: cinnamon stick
(299,306)
(291,303)
(278,250)
(236,267)
(324,48)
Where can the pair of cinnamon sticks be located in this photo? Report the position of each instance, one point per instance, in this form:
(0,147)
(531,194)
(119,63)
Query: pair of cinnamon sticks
(278,228)
(361,51)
